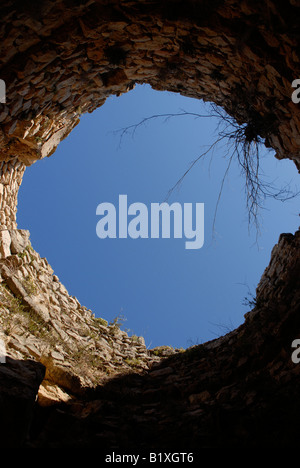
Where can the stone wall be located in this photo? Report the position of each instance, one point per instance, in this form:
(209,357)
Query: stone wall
(10,180)
(78,381)
(69,378)
(61,59)
(74,352)
(42,321)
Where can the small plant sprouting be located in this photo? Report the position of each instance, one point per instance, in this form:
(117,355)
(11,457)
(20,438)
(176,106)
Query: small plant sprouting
(11,302)
(250,301)
(117,322)
(133,362)
(30,285)
(101,321)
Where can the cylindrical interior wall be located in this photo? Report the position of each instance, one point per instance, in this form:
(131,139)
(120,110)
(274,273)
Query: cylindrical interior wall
(61,58)
(11,174)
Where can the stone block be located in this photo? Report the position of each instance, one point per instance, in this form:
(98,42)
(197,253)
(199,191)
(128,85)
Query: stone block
(19,240)
(5,242)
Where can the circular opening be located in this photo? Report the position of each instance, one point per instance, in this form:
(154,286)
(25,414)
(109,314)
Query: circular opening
(168,294)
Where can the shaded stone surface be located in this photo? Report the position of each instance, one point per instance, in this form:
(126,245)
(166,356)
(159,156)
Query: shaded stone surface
(19,384)
(85,383)
(71,379)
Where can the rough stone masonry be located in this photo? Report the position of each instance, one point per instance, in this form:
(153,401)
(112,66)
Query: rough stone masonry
(71,379)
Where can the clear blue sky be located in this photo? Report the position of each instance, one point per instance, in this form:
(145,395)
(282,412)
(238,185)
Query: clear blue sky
(169,295)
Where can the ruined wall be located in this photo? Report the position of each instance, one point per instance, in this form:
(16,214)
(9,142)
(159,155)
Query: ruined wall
(60,59)
(10,180)
(73,380)
(93,384)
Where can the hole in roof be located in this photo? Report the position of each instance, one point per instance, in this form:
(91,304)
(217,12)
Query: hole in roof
(167,294)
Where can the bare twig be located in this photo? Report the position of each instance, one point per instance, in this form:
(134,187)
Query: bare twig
(131,129)
(243,144)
